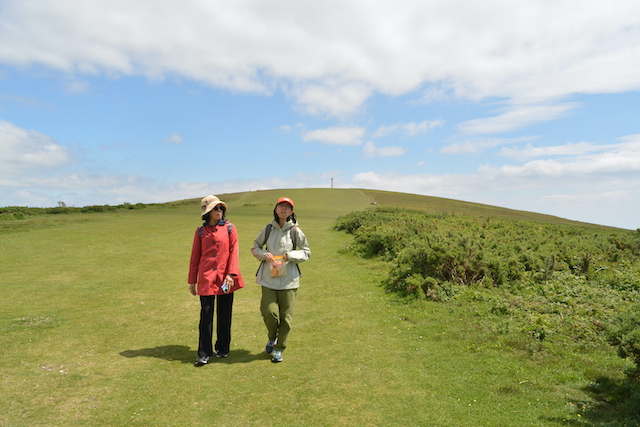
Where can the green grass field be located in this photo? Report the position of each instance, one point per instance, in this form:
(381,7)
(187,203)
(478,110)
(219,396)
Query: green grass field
(98,328)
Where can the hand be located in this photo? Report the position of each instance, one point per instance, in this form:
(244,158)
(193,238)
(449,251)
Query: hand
(192,289)
(269,257)
(229,282)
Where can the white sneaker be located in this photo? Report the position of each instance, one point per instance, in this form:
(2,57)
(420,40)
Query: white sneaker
(277,356)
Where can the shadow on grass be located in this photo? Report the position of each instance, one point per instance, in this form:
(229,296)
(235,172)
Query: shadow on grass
(615,403)
(184,354)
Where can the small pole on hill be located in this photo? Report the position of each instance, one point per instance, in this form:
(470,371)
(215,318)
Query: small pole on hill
(331,182)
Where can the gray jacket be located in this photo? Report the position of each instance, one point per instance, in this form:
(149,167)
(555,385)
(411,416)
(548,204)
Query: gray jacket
(280,243)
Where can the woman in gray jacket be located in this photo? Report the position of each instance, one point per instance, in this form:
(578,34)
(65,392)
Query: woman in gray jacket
(279,274)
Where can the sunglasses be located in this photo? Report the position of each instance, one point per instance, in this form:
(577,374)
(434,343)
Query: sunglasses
(218,208)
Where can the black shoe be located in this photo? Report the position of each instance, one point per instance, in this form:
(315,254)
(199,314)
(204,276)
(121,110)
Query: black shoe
(202,360)
(269,347)
(221,354)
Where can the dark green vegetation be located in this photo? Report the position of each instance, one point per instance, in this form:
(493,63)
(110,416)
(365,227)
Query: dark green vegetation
(18,212)
(97,327)
(543,287)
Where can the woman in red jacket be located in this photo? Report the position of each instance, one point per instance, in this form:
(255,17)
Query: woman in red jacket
(214,272)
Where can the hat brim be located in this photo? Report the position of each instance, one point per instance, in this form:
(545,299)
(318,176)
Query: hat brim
(212,205)
(285,200)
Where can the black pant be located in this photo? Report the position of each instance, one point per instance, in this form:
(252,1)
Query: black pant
(223,324)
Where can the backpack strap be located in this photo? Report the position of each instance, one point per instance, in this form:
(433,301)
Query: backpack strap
(294,236)
(294,239)
(293,233)
(266,234)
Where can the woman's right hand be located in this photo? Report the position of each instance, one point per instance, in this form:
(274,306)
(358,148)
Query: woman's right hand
(268,256)
(192,289)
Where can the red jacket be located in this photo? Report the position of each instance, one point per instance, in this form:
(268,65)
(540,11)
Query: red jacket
(214,255)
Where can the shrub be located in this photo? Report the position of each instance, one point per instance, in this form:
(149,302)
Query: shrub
(624,333)
(58,210)
(468,250)
(10,213)
(97,208)
(547,282)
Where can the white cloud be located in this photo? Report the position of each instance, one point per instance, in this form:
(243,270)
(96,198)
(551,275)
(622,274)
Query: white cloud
(174,139)
(479,145)
(569,149)
(411,183)
(595,186)
(436,93)
(21,100)
(590,171)
(609,207)
(332,99)
(77,86)
(332,56)
(83,189)
(408,129)
(593,163)
(286,129)
(345,135)
(474,146)
(591,198)
(598,200)
(516,117)
(413,129)
(370,150)
(25,152)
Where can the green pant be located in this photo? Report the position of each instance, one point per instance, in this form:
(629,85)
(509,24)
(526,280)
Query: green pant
(277,311)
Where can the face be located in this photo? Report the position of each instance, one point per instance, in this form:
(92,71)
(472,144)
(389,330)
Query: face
(217,213)
(284,210)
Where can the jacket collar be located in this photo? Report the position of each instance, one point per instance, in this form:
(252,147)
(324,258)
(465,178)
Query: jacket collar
(287,225)
(221,222)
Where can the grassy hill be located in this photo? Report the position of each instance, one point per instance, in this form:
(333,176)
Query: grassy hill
(429,204)
(98,328)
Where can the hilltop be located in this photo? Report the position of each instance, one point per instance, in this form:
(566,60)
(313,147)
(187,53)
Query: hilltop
(363,199)
(379,198)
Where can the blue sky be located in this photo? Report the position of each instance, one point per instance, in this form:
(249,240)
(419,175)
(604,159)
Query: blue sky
(530,105)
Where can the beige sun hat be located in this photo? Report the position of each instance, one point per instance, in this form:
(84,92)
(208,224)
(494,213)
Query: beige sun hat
(210,202)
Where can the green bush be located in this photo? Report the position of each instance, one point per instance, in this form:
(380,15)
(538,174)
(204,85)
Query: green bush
(624,333)
(466,250)
(127,205)
(551,283)
(10,213)
(17,213)
(58,210)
